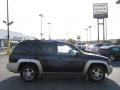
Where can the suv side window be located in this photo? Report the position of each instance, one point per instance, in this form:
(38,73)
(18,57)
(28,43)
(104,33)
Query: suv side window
(64,49)
(23,48)
(33,48)
(45,48)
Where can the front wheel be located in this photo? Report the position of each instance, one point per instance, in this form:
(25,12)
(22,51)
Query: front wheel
(28,73)
(96,73)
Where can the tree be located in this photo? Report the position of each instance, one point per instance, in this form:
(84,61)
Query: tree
(72,41)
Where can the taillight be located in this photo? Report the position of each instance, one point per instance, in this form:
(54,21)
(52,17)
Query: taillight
(13,59)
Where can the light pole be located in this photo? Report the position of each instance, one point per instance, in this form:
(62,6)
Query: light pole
(8,23)
(41,15)
(87,34)
(49,23)
(106,28)
(90,32)
(98,29)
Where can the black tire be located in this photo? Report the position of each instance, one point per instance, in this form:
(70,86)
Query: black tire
(96,73)
(28,73)
(112,57)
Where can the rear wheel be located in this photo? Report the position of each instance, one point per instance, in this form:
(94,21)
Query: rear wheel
(96,73)
(28,73)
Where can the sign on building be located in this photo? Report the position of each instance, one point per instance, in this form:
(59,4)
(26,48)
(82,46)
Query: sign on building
(100,10)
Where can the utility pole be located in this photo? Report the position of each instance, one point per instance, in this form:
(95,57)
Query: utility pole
(106,28)
(103,31)
(8,23)
(98,29)
(90,32)
(49,23)
(87,34)
(41,15)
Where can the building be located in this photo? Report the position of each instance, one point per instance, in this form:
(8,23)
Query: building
(14,37)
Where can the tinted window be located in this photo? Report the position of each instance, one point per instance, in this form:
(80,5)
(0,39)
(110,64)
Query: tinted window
(49,48)
(34,48)
(24,48)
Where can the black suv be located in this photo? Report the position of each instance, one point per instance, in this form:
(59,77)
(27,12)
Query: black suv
(34,58)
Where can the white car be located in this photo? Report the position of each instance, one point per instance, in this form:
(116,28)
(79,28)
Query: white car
(79,45)
(88,48)
(93,48)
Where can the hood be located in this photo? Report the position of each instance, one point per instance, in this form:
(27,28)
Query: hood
(92,56)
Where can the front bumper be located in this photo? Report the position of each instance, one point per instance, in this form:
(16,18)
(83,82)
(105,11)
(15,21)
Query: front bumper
(12,67)
(109,69)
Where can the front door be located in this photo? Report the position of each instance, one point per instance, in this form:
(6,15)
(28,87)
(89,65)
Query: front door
(68,58)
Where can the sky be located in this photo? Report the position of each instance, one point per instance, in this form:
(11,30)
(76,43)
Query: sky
(69,18)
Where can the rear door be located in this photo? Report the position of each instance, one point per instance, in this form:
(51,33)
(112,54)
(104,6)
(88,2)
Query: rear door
(47,56)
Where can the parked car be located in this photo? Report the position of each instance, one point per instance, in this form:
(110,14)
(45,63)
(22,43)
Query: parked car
(88,47)
(79,45)
(84,46)
(94,48)
(34,58)
(113,51)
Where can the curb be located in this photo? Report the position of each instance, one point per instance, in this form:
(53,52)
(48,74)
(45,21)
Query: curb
(3,53)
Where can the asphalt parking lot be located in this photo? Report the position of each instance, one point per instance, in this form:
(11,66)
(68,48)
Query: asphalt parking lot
(12,81)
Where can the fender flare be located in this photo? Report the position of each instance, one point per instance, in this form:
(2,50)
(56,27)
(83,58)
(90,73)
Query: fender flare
(87,66)
(32,61)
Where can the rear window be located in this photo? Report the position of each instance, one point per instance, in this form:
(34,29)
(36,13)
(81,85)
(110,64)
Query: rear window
(23,48)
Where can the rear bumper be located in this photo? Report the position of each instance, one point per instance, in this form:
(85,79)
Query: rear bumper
(109,69)
(12,67)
